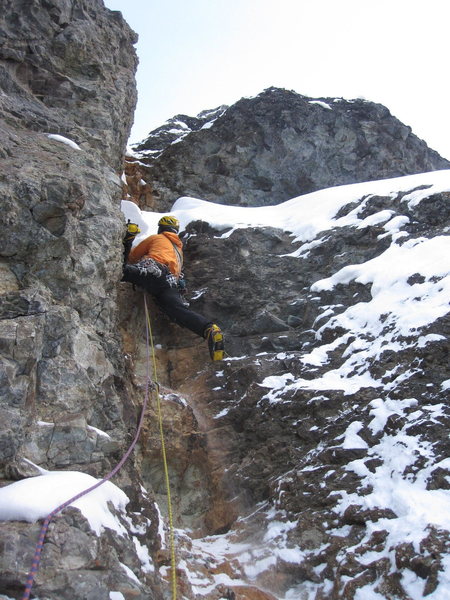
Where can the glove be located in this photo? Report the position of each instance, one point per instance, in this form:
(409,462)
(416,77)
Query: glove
(131,233)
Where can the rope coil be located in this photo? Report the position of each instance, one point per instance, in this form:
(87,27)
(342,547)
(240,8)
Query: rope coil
(43,532)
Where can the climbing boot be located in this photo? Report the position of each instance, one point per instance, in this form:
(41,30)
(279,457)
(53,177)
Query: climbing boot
(214,337)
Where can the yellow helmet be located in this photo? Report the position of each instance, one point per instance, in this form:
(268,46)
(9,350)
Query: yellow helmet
(169,221)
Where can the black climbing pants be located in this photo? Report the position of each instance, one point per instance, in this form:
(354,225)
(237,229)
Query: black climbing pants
(168,299)
(170,302)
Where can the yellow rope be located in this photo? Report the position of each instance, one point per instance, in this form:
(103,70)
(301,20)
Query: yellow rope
(164,457)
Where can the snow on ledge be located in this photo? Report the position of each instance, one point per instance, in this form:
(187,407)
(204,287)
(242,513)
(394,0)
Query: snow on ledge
(304,216)
(34,498)
(64,140)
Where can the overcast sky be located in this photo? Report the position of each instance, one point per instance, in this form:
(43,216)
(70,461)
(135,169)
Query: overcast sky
(199,54)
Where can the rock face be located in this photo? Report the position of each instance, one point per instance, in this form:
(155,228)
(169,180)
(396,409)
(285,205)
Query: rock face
(135,188)
(67,68)
(66,106)
(61,224)
(277,146)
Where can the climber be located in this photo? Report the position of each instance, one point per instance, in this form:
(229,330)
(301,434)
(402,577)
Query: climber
(155,265)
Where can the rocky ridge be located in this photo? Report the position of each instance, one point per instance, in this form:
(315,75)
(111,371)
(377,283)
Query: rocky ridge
(278,145)
(137,184)
(174,130)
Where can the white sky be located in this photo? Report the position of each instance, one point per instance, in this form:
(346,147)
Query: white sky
(200,54)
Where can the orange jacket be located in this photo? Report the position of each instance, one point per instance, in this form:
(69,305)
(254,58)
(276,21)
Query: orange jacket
(161,247)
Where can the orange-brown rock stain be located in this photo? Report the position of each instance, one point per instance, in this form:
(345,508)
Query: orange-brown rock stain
(136,188)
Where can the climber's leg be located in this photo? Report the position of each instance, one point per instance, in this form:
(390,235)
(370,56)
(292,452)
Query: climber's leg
(170,302)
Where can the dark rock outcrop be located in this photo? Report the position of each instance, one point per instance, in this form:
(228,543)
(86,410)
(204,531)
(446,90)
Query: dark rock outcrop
(175,129)
(279,145)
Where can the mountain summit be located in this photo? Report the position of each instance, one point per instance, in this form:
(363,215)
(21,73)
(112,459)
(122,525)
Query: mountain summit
(278,145)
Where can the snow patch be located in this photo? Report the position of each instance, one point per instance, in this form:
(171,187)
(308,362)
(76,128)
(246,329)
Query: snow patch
(63,140)
(321,103)
(36,497)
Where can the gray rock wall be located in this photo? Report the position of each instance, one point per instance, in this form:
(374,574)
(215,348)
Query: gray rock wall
(61,224)
(66,69)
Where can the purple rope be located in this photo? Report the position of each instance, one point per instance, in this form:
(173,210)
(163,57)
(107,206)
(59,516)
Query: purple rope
(37,553)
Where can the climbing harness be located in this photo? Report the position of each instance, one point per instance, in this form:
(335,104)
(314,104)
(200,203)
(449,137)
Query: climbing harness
(37,554)
(148,266)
